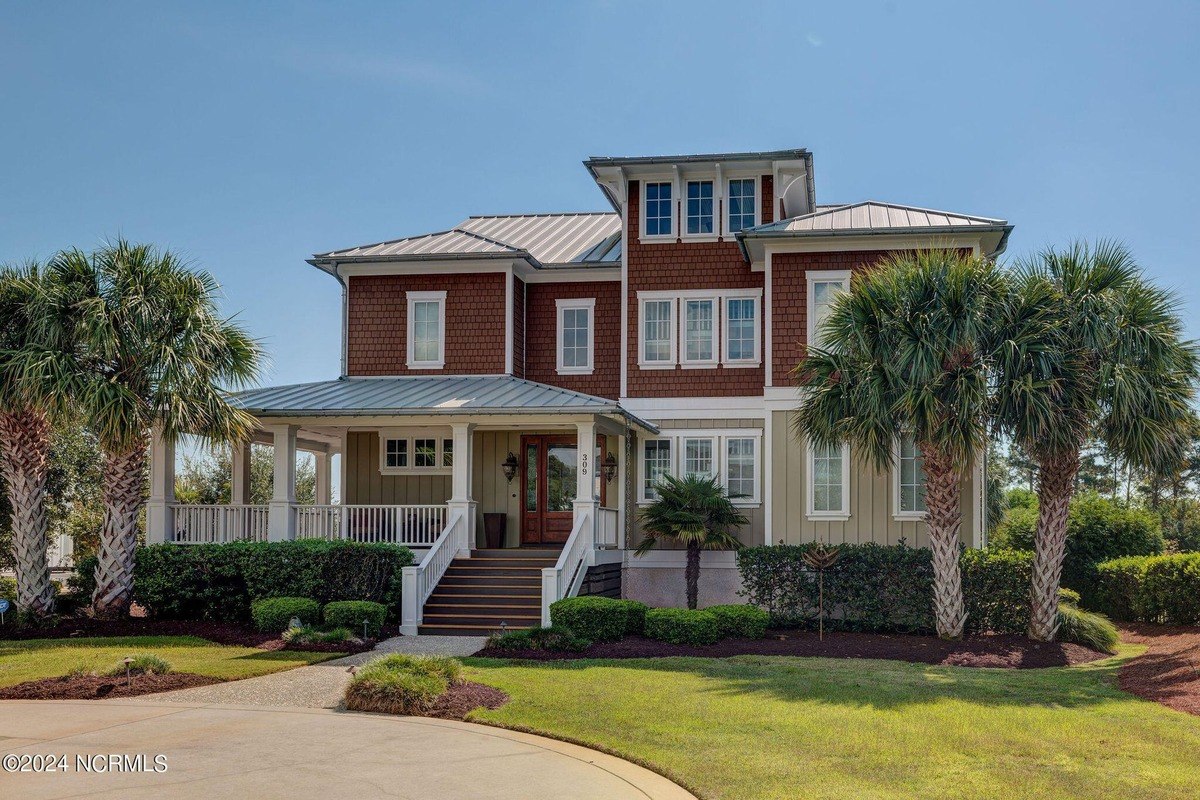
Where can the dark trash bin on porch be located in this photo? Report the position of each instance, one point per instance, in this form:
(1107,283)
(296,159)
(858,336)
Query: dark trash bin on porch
(494,526)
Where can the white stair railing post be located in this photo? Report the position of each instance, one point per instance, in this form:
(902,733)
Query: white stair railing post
(410,602)
(549,592)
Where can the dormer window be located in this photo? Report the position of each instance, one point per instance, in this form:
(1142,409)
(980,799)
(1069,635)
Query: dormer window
(699,208)
(743,204)
(659,216)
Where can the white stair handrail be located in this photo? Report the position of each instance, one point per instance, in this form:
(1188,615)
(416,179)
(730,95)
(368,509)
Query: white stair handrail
(418,582)
(566,576)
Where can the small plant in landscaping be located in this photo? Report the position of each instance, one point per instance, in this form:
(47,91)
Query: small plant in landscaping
(1086,628)
(310,635)
(356,615)
(744,621)
(275,614)
(598,619)
(142,664)
(555,638)
(402,684)
(682,626)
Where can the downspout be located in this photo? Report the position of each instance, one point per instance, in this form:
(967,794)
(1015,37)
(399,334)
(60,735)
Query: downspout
(345,314)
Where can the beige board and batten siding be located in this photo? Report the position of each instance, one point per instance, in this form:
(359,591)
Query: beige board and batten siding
(366,485)
(870,499)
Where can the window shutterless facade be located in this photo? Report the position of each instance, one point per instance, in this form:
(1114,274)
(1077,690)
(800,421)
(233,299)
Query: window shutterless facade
(426,330)
(908,488)
(700,331)
(717,327)
(699,457)
(409,451)
(741,468)
(828,481)
(657,332)
(699,205)
(732,456)
(576,335)
(823,289)
(658,214)
(743,204)
(656,462)
(741,330)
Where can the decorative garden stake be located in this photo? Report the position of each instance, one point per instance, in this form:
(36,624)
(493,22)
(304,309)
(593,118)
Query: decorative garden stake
(821,557)
(365,621)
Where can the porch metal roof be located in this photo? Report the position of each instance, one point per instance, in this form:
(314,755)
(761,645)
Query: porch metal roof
(432,394)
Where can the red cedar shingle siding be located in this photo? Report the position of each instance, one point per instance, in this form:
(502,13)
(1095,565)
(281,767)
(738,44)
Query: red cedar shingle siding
(378,318)
(518,327)
(541,336)
(688,265)
(789,279)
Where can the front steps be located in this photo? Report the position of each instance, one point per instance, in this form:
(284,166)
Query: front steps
(491,587)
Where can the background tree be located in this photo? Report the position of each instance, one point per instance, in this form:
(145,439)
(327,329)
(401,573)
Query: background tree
(206,477)
(696,512)
(156,354)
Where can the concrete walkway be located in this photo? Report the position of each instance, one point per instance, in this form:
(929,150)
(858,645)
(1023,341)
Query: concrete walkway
(227,751)
(318,686)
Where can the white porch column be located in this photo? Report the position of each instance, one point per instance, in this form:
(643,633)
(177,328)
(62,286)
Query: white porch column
(239,483)
(281,518)
(623,467)
(586,500)
(324,478)
(160,507)
(461,499)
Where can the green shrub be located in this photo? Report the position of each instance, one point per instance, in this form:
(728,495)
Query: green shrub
(444,667)
(597,619)
(1086,628)
(8,589)
(220,581)
(402,684)
(307,634)
(996,590)
(682,626)
(351,613)
(1068,597)
(1162,589)
(635,617)
(142,664)
(275,614)
(743,621)
(556,639)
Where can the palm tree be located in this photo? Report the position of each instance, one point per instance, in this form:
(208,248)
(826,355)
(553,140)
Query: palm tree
(903,353)
(693,511)
(1112,366)
(28,404)
(156,354)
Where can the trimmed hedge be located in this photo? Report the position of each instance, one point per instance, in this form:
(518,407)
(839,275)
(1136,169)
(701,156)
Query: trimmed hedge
(1163,589)
(274,614)
(219,581)
(351,614)
(879,588)
(554,639)
(743,621)
(682,626)
(598,619)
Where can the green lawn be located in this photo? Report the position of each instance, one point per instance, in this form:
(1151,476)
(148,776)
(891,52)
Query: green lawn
(22,661)
(777,727)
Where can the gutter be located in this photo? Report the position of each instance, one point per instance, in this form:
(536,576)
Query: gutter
(450,412)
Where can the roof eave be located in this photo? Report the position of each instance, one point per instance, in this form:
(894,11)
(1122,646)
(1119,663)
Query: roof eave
(470,412)
(941,230)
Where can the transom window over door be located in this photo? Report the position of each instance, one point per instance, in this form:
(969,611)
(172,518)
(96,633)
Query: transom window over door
(426,330)
(700,331)
(576,335)
(699,207)
(742,204)
(823,290)
(659,213)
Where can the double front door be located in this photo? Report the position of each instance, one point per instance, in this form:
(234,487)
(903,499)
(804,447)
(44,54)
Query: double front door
(550,478)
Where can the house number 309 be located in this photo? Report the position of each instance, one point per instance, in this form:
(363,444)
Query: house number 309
(583,464)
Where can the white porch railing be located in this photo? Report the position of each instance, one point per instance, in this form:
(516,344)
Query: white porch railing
(219,524)
(415,526)
(566,576)
(607,528)
(418,582)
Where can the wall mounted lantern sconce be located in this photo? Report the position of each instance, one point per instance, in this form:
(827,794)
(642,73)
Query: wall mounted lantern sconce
(610,467)
(510,466)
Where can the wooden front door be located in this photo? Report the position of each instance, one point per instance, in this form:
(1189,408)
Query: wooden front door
(549,466)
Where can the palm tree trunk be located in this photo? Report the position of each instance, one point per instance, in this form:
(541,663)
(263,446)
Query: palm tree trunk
(123,484)
(1056,481)
(691,574)
(24,461)
(945,519)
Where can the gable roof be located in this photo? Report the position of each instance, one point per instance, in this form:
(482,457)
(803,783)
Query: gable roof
(589,238)
(425,394)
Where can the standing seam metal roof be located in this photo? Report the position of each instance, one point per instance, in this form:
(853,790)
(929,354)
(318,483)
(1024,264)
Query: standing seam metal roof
(871,215)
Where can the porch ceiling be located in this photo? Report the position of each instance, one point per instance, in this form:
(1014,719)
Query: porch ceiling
(442,395)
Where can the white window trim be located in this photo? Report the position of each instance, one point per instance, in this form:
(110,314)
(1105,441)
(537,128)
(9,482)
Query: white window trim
(695,363)
(815,277)
(898,514)
(425,297)
(810,473)
(719,438)
(411,435)
(715,233)
(725,220)
(756,296)
(562,304)
(672,324)
(659,237)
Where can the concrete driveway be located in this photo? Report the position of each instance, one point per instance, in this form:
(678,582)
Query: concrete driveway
(293,753)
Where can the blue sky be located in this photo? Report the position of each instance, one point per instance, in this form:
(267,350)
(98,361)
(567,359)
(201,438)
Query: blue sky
(249,136)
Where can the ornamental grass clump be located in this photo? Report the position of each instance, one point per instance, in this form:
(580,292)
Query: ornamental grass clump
(142,664)
(555,639)
(402,684)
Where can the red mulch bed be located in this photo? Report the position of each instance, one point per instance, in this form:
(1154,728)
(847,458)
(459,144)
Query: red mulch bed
(463,698)
(1169,672)
(96,687)
(219,632)
(1005,652)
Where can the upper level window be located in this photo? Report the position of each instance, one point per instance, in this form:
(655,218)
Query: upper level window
(426,330)
(741,329)
(743,204)
(828,481)
(658,332)
(910,479)
(823,289)
(699,207)
(700,331)
(576,335)
(659,216)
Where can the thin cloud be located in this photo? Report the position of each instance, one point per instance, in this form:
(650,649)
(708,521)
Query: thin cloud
(814,39)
